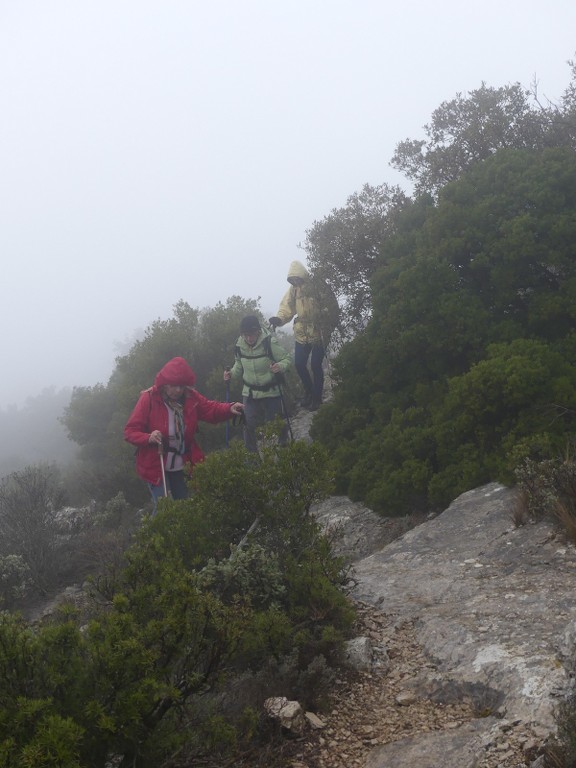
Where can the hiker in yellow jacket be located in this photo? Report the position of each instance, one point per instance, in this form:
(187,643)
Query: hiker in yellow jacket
(315,309)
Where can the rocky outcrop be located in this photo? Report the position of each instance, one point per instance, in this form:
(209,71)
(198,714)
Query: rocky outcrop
(354,530)
(493,609)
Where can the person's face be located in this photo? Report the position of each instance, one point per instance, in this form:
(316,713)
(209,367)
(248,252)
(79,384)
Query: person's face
(251,338)
(174,391)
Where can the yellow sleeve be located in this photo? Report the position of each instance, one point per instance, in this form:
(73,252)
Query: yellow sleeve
(287,308)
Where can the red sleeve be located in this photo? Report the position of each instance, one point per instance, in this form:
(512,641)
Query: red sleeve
(211,410)
(137,429)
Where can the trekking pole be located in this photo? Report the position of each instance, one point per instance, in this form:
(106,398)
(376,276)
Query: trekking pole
(227,369)
(246,536)
(278,377)
(283,402)
(161,454)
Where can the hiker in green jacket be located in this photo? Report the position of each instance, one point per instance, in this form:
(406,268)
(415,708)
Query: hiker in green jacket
(260,361)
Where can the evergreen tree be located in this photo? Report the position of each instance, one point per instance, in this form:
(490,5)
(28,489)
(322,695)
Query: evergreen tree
(490,264)
(470,128)
(343,249)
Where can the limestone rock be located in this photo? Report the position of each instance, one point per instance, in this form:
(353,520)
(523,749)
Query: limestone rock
(491,605)
(288,713)
(454,749)
(358,653)
(314,721)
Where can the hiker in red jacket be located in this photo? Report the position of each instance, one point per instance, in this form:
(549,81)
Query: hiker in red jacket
(163,425)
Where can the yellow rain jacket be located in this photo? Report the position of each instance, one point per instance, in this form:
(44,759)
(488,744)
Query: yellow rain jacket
(313,305)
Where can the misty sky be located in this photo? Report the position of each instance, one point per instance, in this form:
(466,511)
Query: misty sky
(157,151)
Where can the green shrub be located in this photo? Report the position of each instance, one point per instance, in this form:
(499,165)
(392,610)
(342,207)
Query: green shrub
(14,579)
(29,505)
(191,612)
(547,484)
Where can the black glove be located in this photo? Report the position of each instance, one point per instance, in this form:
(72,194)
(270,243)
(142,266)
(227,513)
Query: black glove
(275,322)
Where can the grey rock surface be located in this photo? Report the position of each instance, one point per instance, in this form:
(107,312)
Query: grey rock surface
(354,529)
(459,748)
(358,653)
(494,609)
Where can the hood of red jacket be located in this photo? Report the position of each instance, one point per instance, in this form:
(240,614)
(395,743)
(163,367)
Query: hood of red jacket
(176,372)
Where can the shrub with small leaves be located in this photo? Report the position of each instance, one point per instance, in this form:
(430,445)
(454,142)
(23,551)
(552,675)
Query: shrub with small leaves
(14,579)
(547,483)
(252,571)
(189,612)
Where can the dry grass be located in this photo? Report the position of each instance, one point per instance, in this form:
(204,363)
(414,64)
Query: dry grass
(566,516)
(519,508)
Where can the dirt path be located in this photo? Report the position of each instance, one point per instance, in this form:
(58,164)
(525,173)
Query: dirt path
(382,706)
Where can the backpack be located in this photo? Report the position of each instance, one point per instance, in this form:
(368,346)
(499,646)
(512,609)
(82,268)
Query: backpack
(278,377)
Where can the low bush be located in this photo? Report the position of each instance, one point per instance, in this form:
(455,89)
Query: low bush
(199,605)
(547,488)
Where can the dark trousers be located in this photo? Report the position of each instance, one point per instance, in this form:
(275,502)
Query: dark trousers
(314,385)
(175,485)
(257,411)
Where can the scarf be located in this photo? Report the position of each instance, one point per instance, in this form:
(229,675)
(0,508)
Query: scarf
(177,445)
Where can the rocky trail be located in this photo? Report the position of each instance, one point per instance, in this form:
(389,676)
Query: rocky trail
(381,708)
(472,625)
(475,620)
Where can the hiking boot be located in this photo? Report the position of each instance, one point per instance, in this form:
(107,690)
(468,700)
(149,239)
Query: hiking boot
(314,404)
(307,400)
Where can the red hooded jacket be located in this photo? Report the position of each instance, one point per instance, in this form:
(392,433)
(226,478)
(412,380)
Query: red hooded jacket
(151,412)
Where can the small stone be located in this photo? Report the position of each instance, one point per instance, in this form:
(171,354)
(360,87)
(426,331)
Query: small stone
(406,698)
(314,721)
(530,745)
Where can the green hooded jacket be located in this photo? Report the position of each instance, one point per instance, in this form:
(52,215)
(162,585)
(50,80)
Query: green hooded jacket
(252,364)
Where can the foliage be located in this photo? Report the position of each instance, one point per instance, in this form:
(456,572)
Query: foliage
(189,613)
(343,249)
(562,131)
(547,488)
(470,128)
(470,354)
(93,539)
(14,579)
(29,503)
(506,404)
(45,544)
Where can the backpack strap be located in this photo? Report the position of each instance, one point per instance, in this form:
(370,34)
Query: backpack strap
(267,344)
(267,352)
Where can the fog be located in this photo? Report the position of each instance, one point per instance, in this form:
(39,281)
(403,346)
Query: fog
(157,151)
